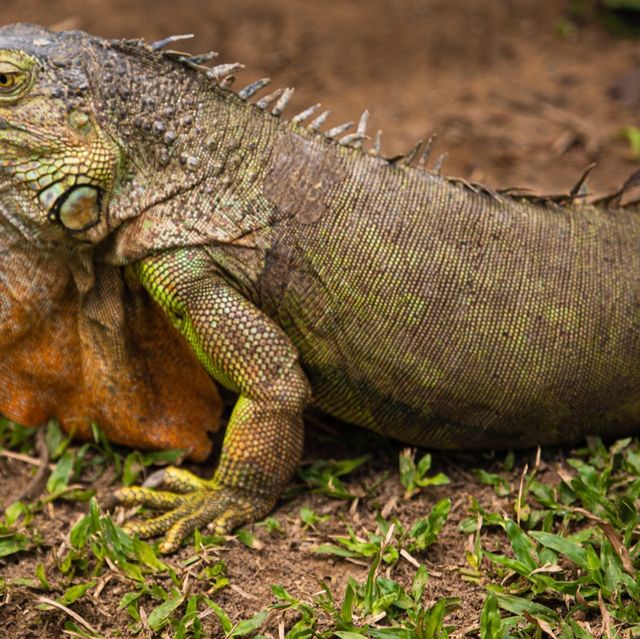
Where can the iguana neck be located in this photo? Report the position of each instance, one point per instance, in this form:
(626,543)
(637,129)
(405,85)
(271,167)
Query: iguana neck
(197,161)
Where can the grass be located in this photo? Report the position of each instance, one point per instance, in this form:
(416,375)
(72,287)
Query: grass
(560,560)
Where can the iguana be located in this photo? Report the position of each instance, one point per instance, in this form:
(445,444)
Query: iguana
(301,270)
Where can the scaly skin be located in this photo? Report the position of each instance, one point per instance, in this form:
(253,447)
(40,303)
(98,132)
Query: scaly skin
(304,272)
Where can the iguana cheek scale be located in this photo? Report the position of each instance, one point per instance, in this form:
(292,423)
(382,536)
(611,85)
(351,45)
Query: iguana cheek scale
(299,269)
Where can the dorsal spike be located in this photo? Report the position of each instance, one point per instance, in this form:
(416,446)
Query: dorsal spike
(319,121)
(307,113)
(471,186)
(615,198)
(203,58)
(426,152)
(161,44)
(177,56)
(353,139)
(483,188)
(579,187)
(410,155)
(362,124)
(227,81)
(437,167)
(376,149)
(253,88)
(338,130)
(282,102)
(514,191)
(263,103)
(219,71)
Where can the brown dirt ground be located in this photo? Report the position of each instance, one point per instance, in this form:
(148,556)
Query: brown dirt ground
(513,102)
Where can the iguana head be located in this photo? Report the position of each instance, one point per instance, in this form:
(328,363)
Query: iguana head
(55,156)
(100,135)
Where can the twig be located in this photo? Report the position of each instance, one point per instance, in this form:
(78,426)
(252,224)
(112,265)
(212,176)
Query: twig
(39,480)
(71,613)
(27,459)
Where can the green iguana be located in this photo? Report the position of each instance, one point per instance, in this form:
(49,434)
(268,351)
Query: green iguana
(301,271)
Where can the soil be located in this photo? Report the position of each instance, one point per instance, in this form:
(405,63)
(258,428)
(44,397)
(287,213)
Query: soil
(519,96)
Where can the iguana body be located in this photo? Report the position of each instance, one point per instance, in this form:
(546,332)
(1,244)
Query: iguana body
(306,272)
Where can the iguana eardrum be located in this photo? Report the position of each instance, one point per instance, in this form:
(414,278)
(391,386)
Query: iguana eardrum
(301,270)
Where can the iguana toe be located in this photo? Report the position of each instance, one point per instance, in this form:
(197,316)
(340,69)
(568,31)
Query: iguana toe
(207,503)
(156,499)
(176,479)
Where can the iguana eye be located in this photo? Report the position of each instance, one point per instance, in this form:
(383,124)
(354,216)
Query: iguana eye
(16,74)
(11,81)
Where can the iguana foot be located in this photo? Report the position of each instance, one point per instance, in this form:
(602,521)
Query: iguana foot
(191,503)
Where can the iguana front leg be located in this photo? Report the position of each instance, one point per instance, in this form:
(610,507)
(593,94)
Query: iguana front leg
(248,353)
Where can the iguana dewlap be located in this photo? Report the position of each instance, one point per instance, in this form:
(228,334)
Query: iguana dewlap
(136,379)
(300,270)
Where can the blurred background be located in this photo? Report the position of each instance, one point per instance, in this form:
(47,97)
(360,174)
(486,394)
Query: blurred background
(521,92)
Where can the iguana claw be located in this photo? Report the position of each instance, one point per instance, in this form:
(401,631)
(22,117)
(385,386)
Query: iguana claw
(191,503)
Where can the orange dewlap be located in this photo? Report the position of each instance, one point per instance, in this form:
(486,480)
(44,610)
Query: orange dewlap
(138,380)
